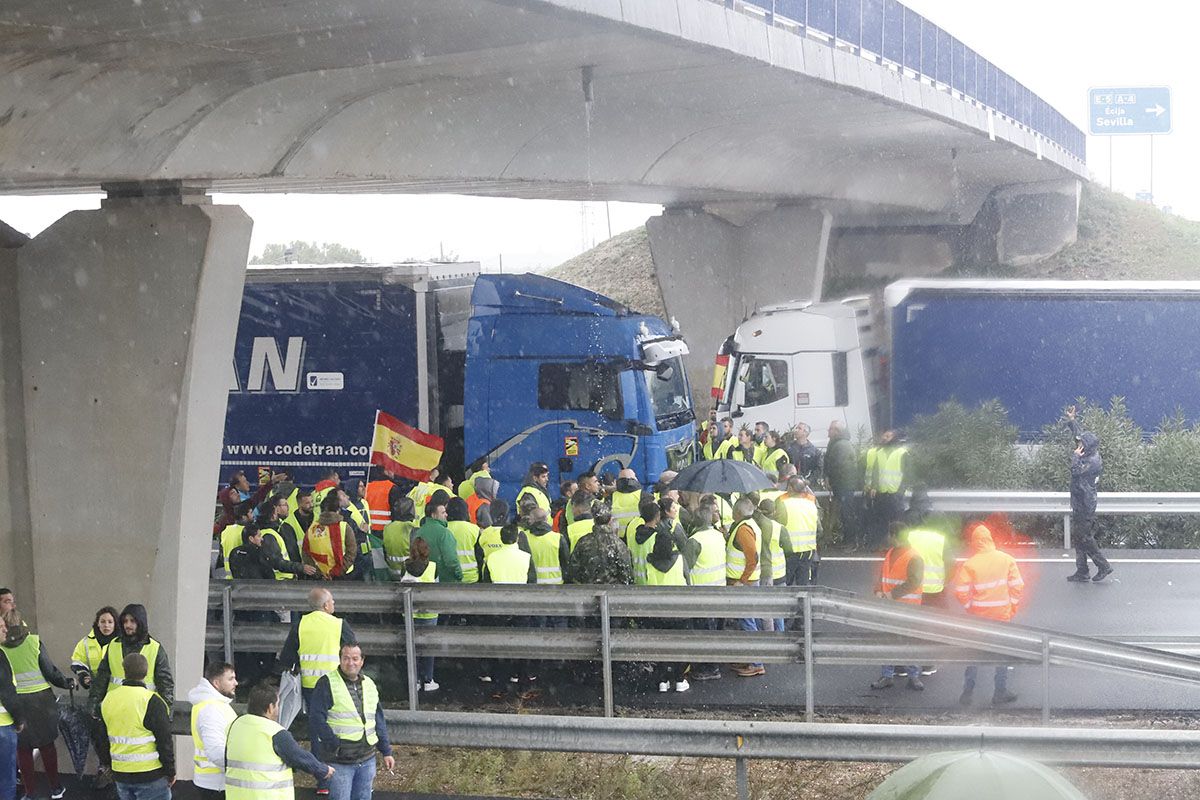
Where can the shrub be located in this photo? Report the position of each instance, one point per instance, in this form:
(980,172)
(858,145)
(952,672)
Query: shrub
(960,448)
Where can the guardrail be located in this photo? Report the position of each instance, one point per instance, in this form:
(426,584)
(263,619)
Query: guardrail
(892,34)
(968,639)
(1059,503)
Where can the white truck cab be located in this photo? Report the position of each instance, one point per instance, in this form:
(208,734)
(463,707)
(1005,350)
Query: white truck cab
(802,362)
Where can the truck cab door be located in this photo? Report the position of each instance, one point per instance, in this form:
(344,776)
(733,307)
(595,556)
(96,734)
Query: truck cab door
(819,391)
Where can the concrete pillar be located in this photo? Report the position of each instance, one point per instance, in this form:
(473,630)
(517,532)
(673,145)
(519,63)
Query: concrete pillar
(713,273)
(127,319)
(16,547)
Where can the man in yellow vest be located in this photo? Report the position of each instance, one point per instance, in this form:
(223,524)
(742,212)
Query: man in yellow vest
(797,511)
(10,722)
(705,555)
(510,563)
(212,714)
(313,646)
(886,483)
(742,567)
(135,638)
(260,755)
(666,566)
(626,498)
(134,736)
(537,479)
(350,724)
(280,548)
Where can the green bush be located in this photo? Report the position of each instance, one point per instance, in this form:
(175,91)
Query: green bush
(960,448)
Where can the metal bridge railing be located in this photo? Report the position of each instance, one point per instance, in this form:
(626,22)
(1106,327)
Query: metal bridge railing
(933,635)
(891,33)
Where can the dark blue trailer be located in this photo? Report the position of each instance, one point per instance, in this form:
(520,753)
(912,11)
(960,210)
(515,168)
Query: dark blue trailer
(1037,345)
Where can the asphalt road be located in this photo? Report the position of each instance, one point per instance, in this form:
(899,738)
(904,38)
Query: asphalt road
(1150,593)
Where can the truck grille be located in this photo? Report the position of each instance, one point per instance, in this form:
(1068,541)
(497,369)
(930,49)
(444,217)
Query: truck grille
(681,455)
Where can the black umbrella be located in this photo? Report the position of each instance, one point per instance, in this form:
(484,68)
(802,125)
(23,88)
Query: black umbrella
(724,476)
(75,726)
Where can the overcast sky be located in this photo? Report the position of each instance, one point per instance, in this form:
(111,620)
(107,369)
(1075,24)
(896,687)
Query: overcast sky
(1059,48)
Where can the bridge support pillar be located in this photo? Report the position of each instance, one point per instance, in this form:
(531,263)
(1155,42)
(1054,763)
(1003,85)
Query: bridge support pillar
(126,319)
(713,272)
(1025,223)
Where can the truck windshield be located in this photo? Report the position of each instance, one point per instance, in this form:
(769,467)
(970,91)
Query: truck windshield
(669,394)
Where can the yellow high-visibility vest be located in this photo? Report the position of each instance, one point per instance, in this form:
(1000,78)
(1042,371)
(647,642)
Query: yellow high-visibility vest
(508,564)
(116,666)
(800,520)
(735,559)
(672,577)
(27,673)
(344,718)
(203,765)
(253,770)
(466,534)
(545,552)
(709,569)
(130,743)
(320,646)
(930,545)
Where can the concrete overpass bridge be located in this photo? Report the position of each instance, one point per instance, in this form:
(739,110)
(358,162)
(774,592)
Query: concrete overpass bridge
(780,135)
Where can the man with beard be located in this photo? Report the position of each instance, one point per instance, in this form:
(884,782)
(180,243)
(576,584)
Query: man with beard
(212,714)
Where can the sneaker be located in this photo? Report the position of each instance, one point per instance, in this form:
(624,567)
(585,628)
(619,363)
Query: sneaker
(711,675)
(927,671)
(682,686)
(485,678)
(430,686)
(664,686)
(59,793)
(514,679)
(1003,698)
(1079,577)
(901,672)
(883,683)
(322,793)
(916,685)
(1103,573)
(750,671)
(964,699)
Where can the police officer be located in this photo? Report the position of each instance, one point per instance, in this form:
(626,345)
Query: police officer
(351,727)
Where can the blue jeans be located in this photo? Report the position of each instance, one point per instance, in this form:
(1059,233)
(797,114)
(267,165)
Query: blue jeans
(750,625)
(352,781)
(8,762)
(1000,681)
(313,742)
(424,663)
(889,671)
(155,790)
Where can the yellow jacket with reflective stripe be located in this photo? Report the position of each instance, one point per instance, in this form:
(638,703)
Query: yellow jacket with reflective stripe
(116,667)
(672,577)
(320,646)
(397,538)
(772,548)
(508,564)
(344,718)
(771,461)
(201,763)
(930,545)
(231,538)
(278,537)
(131,744)
(760,454)
(489,540)
(625,504)
(466,534)
(253,770)
(639,552)
(885,468)
(537,493)
(89,653)
(546,557)
(735,559)
(579,529)
(428,576)
(27,674)
(709,569)
(800,519)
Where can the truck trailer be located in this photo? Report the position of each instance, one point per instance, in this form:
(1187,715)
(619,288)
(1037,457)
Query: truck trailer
(1035,346)
(515,368)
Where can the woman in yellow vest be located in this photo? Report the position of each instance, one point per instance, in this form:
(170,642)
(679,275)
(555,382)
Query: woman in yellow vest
(33,673)
(665,567)
(419,569)
(91,650)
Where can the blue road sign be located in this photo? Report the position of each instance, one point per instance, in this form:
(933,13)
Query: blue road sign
(1137,110)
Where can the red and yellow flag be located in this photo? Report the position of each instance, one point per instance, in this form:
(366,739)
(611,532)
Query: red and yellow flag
(403,449)
(719,372)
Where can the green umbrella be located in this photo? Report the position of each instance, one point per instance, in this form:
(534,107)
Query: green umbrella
(975,774)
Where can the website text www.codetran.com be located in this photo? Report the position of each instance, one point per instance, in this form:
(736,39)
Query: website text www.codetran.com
(297,449)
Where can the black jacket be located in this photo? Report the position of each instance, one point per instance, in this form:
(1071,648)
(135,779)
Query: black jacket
(250,562)
(1085,471)
(164,680)
(158,722)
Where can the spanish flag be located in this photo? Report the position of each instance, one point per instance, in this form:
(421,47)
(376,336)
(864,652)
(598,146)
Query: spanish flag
(404,450)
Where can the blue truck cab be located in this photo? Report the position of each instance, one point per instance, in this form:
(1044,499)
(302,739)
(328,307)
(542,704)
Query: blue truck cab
(563,375)
(519,367)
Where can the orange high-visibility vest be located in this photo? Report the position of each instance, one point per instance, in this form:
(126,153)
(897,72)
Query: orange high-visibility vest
(474,503)
(377,500)
(895,572)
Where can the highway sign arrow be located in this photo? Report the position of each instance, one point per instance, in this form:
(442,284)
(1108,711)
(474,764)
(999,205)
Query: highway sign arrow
(1156,111)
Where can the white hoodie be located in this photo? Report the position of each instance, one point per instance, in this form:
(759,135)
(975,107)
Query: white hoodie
(212,725)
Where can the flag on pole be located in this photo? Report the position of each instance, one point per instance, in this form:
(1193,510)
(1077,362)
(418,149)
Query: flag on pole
(403,449)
